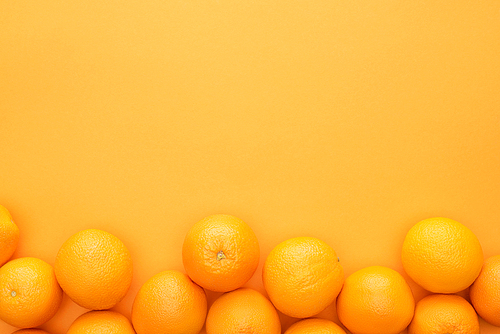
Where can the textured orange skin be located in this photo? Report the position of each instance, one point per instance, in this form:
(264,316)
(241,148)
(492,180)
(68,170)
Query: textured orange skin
(315,326)
(9,236)
(485,292)
(169,303)
(302,276)
(38,295)
(243,311)
(442,255)
(375,300)
(99,322)
(444,314)
(206,239)
(94,269)
(30,331)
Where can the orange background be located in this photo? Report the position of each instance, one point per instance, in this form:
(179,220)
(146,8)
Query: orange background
(345,120)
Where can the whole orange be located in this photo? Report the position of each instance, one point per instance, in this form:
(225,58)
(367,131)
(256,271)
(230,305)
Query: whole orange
(29,292)
(442,255)
(302,276)
(243,311)
(31,331)
(94,269)
(220,253)
(375,300)
(485,291)
(169,302)
(315,326)
(99,322)
(444,314)
(9,235)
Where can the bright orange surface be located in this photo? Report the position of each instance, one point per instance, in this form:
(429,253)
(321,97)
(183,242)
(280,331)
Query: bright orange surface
(345,120)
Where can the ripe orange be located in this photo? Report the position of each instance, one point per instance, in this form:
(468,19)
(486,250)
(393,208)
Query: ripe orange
(315,326)
(442,255)
(485,292)
(437,314)
(29,292)
(98,322)
(169,302)
(302,276)
(9,235)
(375,300)
(243,311)
(30,331)
(94,268)
(220,253)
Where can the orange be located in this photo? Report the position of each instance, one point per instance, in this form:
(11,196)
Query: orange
(94,268)
(485,292)
(31,331)
(169,302)
(302,276)
(9,236)
(444,314)
(243,311)
(220,253)
(98,322)
(315,326)
(442,255)
(29,292)
(375,300)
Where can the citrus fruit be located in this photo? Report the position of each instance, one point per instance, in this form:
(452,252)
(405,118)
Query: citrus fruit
(302,276)
(243,311)
(442,255)
(94,268)
(315,326)
(31,331)
(29,292)
(220,253)
(485,291)
(444,314)
(169,302)
(375,300)
(9,235)
(99,322)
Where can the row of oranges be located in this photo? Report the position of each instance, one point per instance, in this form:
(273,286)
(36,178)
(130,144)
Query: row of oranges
(301,276)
